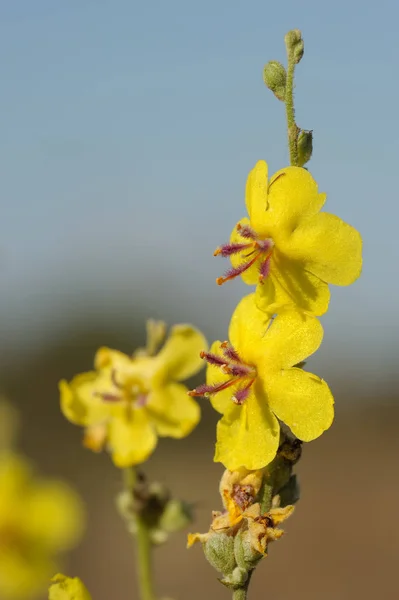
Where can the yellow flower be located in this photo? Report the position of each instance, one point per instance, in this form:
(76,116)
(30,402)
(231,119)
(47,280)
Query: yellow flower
(38,519)
(127,402)
(289,248)
(252,381)
(66,588)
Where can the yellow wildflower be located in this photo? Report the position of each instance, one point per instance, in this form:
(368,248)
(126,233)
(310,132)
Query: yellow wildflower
(38,519)
(127,402)
(66,588)
(289,248)
(252,381)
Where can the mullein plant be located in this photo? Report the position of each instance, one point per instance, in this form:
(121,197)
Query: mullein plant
(268,403)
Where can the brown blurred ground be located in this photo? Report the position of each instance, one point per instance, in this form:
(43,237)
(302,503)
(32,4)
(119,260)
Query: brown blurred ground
(342,542)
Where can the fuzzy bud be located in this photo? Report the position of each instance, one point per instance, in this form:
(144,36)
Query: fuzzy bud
(305,147)
(295,44)
(275,77)
(247,556)
(219,551)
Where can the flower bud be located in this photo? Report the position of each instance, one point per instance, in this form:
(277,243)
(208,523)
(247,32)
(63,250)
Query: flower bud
(219,551)
(247,556)
(275,78)
(295,44)
(305,147)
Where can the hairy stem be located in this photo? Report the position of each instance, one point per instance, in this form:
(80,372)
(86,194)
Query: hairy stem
(290,111)
(241,593)
(144,563)
(143,543)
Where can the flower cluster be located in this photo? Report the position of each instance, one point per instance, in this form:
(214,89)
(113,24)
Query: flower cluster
(291,251)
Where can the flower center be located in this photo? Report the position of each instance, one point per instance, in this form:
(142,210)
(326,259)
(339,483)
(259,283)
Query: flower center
(258,250)
(130,389)
(230,363)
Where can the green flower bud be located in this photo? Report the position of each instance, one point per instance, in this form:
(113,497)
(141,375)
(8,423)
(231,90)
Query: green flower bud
(219,551)
(275,77)
(305,147)
(290,493)
(246,556)
(295,44)
(176,516)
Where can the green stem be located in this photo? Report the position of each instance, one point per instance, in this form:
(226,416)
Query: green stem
(143,543)
(290,111)
(241,593)
(144,566)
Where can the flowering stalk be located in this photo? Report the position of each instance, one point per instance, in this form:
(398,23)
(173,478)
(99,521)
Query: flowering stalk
(294,44)
(143,543)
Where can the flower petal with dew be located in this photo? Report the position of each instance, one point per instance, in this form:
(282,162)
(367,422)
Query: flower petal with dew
(127,402)
(39,518)
(289,248)
(253,382)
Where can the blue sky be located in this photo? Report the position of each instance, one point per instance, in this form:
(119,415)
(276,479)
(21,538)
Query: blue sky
(127,133)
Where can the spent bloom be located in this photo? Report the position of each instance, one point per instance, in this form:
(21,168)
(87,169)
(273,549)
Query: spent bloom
(242,515)
(287,246)
(128,401)
(253,382)
(67,588)
(39,518)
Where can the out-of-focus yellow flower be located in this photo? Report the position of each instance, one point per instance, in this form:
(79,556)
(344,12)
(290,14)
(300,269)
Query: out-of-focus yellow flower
(127,402)
(67,588)
(289,248)
(252,381)
(39,518)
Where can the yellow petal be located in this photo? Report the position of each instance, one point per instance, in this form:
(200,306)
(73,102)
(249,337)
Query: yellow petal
(79,402)
(247,436)
(292,196)
(251,276)
(290,285)
(131,437)
(256,193)
(106,357)
(53,515)
(329,247)
(180,356)
(192,538)
(291,338)
(247,328)
(173,412)
(67,588)
(302,401)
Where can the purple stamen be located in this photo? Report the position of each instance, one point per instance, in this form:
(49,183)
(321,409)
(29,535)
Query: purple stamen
(241,395)
(213,359)
(235,271)
(141,400)
(264,269)
(230,353)
(247,232)
(109,397)
(239,370)
(230,249)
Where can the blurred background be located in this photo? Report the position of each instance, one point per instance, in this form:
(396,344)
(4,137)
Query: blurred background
(127,133)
